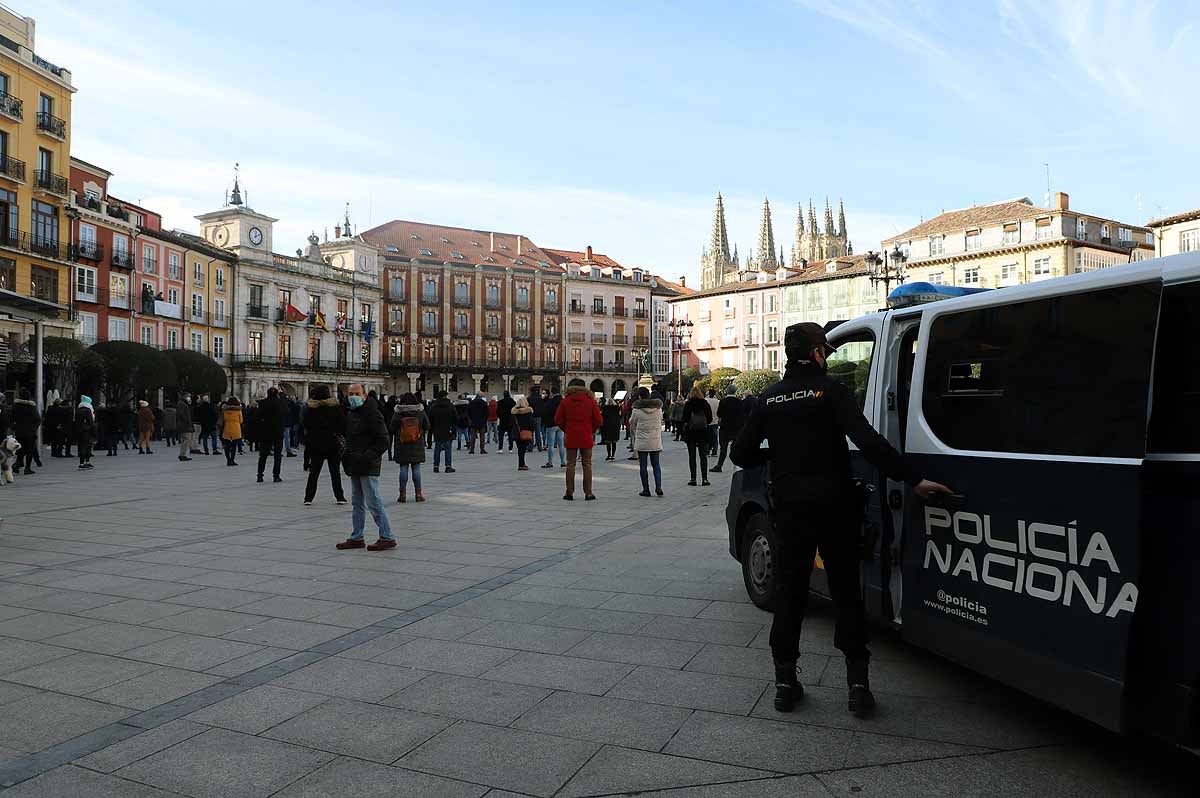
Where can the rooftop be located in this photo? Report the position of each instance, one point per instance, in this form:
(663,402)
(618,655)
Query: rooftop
(814,271)
(459,245)
(1186,216)
(988,215)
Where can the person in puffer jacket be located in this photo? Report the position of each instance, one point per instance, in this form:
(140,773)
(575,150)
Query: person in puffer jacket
(646,423)
(409,426)
(578,416)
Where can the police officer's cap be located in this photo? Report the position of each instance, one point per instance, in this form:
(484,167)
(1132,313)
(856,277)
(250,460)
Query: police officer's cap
(800,339)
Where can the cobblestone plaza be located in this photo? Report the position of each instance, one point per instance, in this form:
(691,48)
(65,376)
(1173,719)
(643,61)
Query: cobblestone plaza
(174,629)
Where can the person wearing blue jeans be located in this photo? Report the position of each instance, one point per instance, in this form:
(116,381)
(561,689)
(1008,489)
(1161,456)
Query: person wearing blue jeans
(646,427)
(366,441)
(538,434)
(554,437)
(438,448)
(416,480)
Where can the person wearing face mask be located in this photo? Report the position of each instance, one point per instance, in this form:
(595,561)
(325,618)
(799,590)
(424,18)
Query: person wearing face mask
(366,441)
(806,418)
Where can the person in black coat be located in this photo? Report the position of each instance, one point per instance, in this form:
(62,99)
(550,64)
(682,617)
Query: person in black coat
(366,441)
(610,430)
(442,421)
(324,434)
(551,434)
(85,431)
(504,410)
(696,410)
(477,412)
(269,422)
(206,417)
(535,402)
(25,422)
(731,413)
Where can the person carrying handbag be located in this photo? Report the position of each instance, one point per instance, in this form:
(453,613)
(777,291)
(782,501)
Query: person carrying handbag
(523,425)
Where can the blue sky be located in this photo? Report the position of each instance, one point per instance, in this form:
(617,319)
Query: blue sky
(615,124)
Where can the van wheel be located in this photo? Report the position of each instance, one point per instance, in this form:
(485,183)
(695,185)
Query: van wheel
(760,559)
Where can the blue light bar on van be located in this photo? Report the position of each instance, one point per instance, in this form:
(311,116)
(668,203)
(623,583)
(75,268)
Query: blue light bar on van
(920,293)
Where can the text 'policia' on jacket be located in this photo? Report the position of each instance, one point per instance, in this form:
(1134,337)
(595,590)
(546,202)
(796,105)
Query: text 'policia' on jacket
(806,418)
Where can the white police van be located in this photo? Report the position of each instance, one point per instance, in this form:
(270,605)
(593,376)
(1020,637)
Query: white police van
(1067,414)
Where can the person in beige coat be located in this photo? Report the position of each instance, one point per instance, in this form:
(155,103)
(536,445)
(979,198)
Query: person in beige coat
(646,428)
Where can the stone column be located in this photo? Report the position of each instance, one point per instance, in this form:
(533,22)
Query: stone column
(413,376)
(507,381)
(478,378)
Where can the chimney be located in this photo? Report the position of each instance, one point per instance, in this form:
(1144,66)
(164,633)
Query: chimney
(492,241)
(683,281)
(518,245)
(588,257)
(337,231)
(1062,202)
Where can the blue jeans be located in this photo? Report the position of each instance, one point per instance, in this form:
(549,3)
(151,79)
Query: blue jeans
(206,437)
(416,476)
(438,448)
(364,495)
(493,432)
(555,437)
(464,436)
(653,458)
(538,435)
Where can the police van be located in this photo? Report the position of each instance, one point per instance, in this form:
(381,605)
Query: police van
(1067,415)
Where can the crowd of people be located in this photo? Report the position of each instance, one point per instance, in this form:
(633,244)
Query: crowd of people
(351,433)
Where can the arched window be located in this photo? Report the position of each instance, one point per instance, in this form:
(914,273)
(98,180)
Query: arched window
(493,353)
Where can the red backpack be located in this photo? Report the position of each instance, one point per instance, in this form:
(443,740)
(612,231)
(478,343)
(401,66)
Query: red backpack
(410,430)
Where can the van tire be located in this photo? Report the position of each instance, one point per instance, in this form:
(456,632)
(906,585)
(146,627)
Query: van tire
(760,559)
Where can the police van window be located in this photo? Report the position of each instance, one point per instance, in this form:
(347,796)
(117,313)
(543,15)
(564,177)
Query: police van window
(1175,420)
(1064,375)
(851,364)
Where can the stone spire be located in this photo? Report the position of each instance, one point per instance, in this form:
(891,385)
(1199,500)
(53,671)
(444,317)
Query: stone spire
(735,255)
(798,250)
(766,240)
(813,230)
(235,198)
(841,219)
(830,230)
(719,247)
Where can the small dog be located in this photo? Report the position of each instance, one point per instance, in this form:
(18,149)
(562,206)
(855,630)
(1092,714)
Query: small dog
(8,456)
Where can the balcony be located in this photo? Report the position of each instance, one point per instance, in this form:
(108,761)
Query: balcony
(639,313)
(493,303)
(149,265)
(462,332)
(89,202)
(577,338)
(85,250)
(197,315)
(522,305)
(12,168)
(430,330)
(577,307)
(550,335)
(395,327)
(599,338)
(40,246)
(117,299)
(550,305)
(641,340)
(11,106)
(169,310)
(51,124)
(87,294)
(256,311)
(220,321)
(522,336)
(620,312)
(620,340)
(599,310)
(50,182)
(397,296)
(729,313)
(462,301)
(197,280)
(299,363)
(121,259)
(430,299)
(490,332)
(117,212)
(705,315)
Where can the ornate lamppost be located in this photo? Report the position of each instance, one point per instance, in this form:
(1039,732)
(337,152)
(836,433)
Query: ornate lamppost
(681,333)
(887,269)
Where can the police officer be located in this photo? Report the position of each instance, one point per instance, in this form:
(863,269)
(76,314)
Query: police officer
(806,418)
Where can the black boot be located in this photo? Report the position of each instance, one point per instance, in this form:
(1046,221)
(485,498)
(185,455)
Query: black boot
(788,689)
(862,703)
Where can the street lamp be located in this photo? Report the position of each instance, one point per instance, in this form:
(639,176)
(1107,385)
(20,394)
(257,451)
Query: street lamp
(681,333)
(886,269)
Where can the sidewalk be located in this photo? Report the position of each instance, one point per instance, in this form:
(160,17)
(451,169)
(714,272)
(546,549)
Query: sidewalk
(174,628)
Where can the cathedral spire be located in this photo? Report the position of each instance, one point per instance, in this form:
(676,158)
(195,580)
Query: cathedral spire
(735,255)
(798,246)
(720,238)
(766,240)
(841,219)
(830,230)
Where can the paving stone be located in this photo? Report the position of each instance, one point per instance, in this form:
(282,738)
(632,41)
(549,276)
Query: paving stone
(126,586)
(350,678)
(485,754)
(366,731)
(80,674)
(67,601)
(380,645)
(446,656)
(135,611)
(444,626)
(296,635)
(596,620)
(753,663)
(156,687)
(257,709)
(207,622)
(730,611)
(527,637)
(560,673)
(690,689)
(785,787)
(465,698)
(16,655)
(218,598)
(43,625)
(621,770)
(10,692)
(604,720)
(353,777)
(250,767)
(248,662)
(69,780)
(758,743)
(354,616)
(7,613)
(293,607)
(636,650)
(40,721)
(130,750)
(501,609)
(104,637)
(563,596)
(191,652)
(701,630)
(395,598)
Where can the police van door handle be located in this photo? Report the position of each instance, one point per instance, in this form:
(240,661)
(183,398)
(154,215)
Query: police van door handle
(895,500)
(891,400)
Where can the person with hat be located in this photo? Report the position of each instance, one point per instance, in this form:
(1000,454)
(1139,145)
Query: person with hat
(85,431)
(806,418)
(145,426)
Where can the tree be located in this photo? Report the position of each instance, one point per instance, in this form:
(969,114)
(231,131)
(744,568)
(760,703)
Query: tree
(718,379)
(755,381)
(71,365)
(133,370)
(197,373)
(670,383)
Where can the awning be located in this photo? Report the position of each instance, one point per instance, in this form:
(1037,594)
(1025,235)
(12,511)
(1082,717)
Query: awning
(12,302)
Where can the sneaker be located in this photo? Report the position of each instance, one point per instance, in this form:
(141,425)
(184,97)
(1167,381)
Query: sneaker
(308,504)
(705,483)
(548,465)
(435,469)
(562,465)
(568,497)
(277,479)
(81,465)
(591,497)
(644,493)
(183,459)
(342,501)
(861,703)
(522,468)
(692,482)
(715,470)
(351,543)
(382,544)
(658,491)
(260,478)
(88,465)
(450,470)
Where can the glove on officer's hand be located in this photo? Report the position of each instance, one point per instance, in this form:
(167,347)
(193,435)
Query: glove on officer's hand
(926,487)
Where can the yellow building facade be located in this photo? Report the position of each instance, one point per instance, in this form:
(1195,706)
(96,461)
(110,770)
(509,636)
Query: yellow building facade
(35,147)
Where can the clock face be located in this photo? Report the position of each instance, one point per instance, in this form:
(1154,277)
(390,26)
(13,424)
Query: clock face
(256,236)
(221,236)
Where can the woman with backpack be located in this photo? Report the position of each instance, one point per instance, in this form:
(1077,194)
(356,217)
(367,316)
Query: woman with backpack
(522,426)
(697,415)
(610,428)
(409,425)
(646,424)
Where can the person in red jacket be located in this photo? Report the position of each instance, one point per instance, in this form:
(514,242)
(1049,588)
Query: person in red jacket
(578,416)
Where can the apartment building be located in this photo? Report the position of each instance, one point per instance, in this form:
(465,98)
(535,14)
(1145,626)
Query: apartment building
(736,325)
(1176,234)
(1016,242)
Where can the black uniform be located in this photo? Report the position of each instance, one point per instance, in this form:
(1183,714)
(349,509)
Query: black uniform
(806,418)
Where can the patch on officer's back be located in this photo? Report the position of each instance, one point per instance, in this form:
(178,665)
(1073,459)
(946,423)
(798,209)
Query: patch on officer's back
(808,393)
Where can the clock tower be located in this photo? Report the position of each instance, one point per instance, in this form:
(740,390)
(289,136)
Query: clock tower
(238,227)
